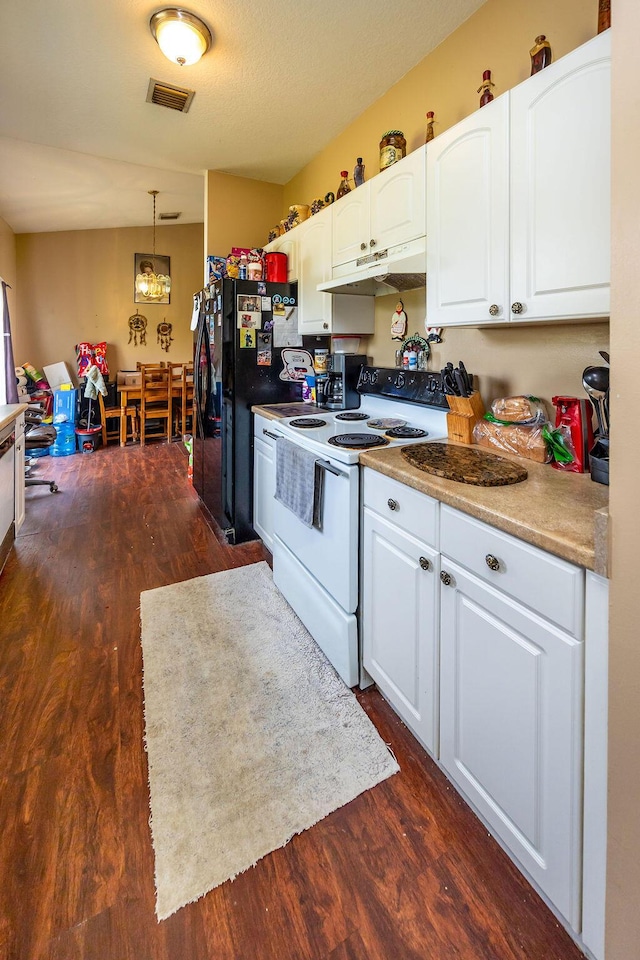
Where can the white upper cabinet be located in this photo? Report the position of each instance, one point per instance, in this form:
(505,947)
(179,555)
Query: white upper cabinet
(385,211)
(560,187)
(518,201)
(468,219)
(320,312)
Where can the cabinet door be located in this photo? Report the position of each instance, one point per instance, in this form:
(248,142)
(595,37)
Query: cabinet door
(19,481)
(264,487)
(397,203)
(350,226)
(400,624)
(560,187)
(511,729)
(468,220)
(314,267)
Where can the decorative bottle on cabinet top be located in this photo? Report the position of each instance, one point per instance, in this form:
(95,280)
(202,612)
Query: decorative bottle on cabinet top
(604,15)
(540,54)
(344,184)
(393,146)
(358,173)
(430,121)
(485,88)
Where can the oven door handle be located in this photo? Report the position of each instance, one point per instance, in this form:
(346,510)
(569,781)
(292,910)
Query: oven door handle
(274,436)
(329,467)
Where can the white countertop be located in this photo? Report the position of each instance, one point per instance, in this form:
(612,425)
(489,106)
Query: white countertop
(9,412)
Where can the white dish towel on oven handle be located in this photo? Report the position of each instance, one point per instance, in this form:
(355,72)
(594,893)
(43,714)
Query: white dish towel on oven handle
(299,482)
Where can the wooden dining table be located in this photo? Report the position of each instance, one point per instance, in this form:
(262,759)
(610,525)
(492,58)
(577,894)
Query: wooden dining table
(129,393)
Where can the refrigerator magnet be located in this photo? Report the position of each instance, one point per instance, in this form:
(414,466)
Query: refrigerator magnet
(266,304)
(247,339)
(264,348)
(262,290)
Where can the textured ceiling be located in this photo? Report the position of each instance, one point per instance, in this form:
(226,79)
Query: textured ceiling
(80,146)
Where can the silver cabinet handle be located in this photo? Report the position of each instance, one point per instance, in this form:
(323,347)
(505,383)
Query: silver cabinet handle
(492,562)
(393,504)
(445,577)
(274,436)
(517,307)
(424,563)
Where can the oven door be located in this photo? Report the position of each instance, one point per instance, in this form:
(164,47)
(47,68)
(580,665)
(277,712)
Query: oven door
(329,554)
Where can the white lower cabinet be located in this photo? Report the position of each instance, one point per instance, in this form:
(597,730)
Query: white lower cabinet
(476,640)
(400,623)
(264,478)
(20,459)
(511,728)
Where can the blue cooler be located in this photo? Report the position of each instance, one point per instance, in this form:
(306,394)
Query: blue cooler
(65,443)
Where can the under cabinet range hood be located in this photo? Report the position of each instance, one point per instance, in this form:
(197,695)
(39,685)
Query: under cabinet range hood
(385,272)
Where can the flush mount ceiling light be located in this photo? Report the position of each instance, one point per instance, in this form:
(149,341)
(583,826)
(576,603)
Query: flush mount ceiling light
(149,284)
(182,37)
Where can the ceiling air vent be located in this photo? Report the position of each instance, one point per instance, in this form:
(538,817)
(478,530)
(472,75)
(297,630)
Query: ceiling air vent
(166,95)
(170,216)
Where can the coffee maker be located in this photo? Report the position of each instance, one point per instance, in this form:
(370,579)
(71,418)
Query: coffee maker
(337,389)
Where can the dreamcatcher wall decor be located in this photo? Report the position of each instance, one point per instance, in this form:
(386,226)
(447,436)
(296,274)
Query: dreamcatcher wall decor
(164,337)
(138,329)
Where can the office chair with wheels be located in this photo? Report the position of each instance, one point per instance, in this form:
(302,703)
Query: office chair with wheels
(38,434)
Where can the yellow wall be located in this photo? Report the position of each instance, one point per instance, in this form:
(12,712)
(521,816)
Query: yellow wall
(78,285)
(540,360)
(623,877)
(8,269)
(239,212)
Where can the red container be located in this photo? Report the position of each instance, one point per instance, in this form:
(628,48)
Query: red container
(276,267)
(575,414)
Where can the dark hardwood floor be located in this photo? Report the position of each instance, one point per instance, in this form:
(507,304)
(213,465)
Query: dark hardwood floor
(404,872)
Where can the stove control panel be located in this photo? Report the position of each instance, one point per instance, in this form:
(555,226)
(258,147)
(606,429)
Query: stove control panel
(415,386)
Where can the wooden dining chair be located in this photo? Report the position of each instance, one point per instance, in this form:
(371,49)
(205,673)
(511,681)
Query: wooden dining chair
(117,413)
(182,392)
(155,400)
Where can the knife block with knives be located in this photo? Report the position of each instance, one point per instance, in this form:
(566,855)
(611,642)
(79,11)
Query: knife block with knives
(464,413)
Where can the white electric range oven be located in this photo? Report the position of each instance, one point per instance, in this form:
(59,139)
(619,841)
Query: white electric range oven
(317,568)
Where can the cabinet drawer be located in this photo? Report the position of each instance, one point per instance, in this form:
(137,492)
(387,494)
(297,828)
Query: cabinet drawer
(548,585)
(414,512)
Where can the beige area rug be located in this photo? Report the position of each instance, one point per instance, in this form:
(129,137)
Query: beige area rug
(251,735)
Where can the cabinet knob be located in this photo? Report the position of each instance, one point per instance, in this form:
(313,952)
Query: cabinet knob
(372,243)
(445,577)
(425,564)
(325,326)
(517,307)
(392,504)
(363,246)
(492,562)
(494,310)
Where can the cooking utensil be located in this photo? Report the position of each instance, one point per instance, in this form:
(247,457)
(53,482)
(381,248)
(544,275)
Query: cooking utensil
(460,382)
(595,381)
(448,383)
(467,378)
(604,355)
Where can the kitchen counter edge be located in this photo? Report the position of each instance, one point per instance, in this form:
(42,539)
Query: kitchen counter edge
(10,412)
(563,513)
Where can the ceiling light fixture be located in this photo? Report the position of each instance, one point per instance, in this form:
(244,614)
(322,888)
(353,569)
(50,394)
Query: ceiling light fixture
(149,284)
(182,37)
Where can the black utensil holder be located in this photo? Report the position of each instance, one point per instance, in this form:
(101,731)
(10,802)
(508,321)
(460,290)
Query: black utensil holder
(599,461)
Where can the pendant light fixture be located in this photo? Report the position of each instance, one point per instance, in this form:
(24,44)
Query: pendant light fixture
(149,284)
(182,37)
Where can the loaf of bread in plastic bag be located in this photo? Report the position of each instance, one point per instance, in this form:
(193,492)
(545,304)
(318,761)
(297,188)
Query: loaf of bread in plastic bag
(519,409)
(524,441)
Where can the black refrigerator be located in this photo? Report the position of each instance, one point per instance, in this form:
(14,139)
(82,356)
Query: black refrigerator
(228,381)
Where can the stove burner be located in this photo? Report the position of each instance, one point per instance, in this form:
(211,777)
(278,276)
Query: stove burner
(352,415)
(307,422)
(358,441)
(406,433)
(386,423)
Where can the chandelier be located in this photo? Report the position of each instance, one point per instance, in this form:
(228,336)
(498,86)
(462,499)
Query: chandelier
(149,284)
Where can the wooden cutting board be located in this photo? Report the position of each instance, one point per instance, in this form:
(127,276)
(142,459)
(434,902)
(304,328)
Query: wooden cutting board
(464,464)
